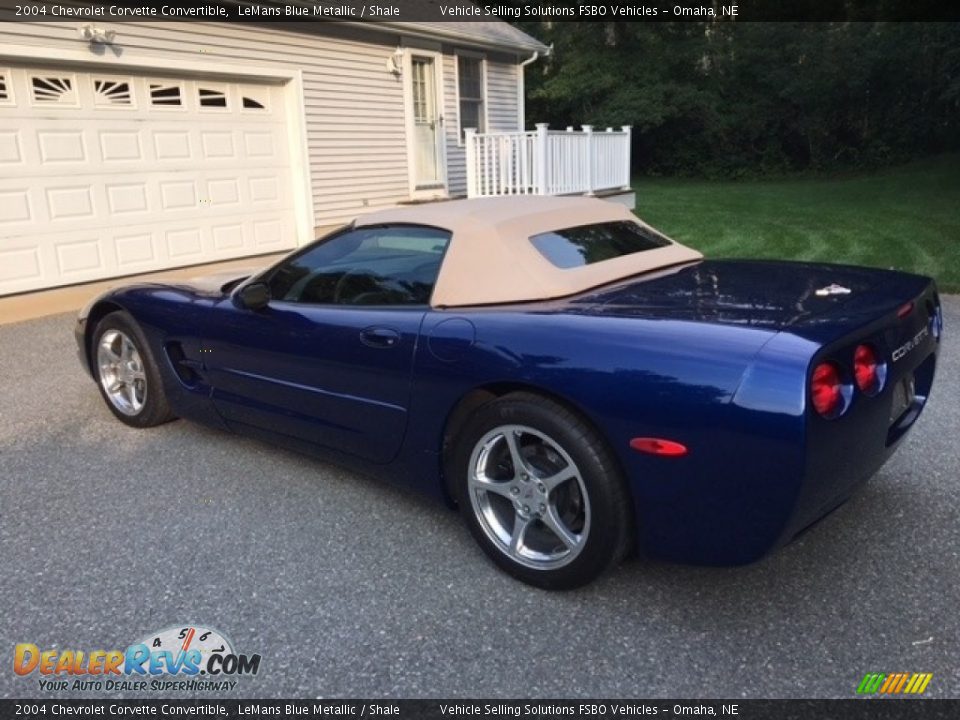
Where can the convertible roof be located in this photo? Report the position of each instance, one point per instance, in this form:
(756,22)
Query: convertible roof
(491,260)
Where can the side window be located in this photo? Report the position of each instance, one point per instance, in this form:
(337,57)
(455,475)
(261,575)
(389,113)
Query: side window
(387,265)
(470,89)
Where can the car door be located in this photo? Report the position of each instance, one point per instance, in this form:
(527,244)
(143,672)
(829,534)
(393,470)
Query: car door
(329,358)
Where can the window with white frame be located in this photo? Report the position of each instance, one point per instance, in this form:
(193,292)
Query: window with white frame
(470,88)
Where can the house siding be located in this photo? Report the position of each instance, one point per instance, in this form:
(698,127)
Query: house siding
(503,111)
(354,108)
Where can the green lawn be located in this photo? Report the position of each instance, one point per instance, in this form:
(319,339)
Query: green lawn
(906,217)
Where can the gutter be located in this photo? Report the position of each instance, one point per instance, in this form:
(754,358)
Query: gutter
(412,28)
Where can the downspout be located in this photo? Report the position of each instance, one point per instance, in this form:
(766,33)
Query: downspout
(521,87)
(531,59)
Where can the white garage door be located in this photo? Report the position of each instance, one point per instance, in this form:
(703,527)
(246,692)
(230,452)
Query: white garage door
(103,175)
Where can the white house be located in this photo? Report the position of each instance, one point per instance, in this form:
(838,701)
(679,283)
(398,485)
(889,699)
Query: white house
(132,147)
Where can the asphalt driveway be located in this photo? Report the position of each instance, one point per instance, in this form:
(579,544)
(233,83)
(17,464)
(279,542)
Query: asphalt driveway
(349,587)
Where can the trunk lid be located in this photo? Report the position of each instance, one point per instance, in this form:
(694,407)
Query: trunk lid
(770,294)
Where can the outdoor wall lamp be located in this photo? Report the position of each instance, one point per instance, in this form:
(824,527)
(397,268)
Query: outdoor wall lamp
(94,34)
(395,61)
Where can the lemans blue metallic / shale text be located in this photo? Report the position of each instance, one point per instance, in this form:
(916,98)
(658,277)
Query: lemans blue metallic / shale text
(577,383)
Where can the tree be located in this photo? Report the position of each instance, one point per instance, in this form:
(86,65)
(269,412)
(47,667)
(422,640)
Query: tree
(750,98)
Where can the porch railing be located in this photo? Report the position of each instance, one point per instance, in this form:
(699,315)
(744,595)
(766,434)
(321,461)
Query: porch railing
(547,162)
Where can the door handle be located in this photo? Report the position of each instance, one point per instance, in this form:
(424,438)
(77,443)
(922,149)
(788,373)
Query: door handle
(380,337)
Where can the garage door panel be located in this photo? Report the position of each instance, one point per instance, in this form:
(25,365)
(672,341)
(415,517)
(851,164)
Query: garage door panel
(45,148)
(229,237)
(264,189)
(58,203)
(126,197)
(15,207)
(72,202)
(121,146)
(11,154)
(28,262)
(185,244)
(61,147)
(20,267)
(111,174)
(136,252)
(80,257)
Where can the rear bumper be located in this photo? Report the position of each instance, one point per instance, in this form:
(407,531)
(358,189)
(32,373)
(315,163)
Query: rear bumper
(844,453)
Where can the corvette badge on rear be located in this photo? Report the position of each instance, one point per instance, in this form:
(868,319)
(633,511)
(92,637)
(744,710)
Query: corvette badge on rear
(912,343)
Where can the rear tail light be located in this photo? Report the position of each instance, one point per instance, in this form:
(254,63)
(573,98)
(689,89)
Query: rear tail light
(826,389)
(868,371)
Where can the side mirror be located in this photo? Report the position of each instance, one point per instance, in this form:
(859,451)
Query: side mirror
(255,296)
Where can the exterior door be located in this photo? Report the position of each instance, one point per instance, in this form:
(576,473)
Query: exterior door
(337,377)
(427,124)
(329,359)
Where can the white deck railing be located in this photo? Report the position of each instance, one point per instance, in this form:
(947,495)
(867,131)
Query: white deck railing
(547,162)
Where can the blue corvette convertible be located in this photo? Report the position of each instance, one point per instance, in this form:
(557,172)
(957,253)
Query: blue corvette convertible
(577,383)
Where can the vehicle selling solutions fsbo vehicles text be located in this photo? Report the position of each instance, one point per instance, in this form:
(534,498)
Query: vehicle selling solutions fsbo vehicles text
(586,11)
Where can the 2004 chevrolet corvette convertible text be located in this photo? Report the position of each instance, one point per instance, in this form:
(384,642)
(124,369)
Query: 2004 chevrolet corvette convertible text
(576,382)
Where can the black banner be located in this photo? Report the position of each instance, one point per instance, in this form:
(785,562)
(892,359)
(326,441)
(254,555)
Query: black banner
(465,11)
(877,709)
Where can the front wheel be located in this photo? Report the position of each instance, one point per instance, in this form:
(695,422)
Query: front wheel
(541,493)
(127,374)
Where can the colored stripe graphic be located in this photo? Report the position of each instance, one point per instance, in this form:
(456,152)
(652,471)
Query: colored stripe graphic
(919,682)
(894,683)
(870,683)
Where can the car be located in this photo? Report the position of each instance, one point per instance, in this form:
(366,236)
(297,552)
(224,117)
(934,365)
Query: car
(578,384)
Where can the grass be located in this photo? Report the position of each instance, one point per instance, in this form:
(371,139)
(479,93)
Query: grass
(906,217)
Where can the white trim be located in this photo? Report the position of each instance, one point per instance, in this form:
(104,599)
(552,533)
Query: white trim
(485,100)
(299,158)
(521,96)
(425,193)
(60,57)
(456,36)
(164,65)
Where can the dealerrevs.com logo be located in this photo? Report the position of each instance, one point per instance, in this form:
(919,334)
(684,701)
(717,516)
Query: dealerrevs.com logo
(187,657)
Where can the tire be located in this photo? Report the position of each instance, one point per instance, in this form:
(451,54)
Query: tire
(564,516)
(127,373)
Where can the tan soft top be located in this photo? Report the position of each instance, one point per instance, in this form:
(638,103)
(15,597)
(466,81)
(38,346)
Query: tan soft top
(491,259)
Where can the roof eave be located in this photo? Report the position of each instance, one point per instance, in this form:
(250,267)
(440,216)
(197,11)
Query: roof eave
(412,28)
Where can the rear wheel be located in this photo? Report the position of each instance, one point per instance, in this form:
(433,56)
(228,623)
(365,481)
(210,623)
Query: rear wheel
(127,373)
(541,493)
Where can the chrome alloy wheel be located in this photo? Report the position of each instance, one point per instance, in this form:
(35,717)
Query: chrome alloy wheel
(529,497)
(122,374)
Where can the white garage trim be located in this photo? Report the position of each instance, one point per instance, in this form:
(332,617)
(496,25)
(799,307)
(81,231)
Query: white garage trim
(289,83)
